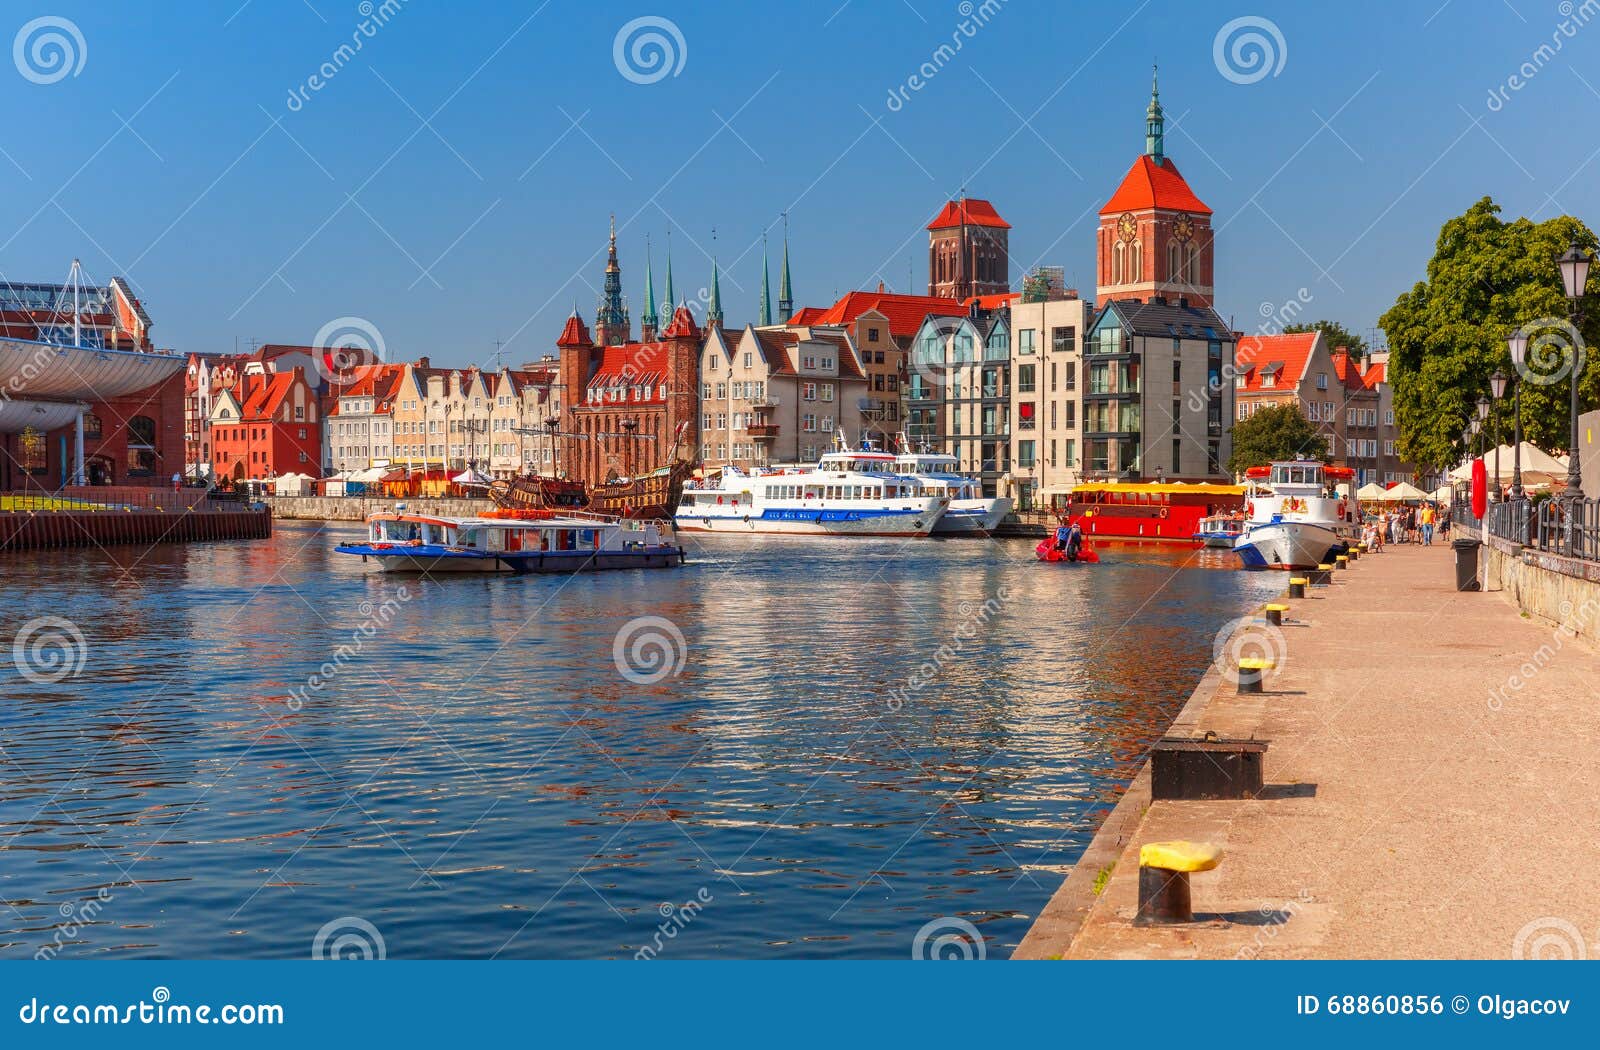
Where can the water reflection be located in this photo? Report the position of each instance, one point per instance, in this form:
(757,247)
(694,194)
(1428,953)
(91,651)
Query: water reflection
(863,736)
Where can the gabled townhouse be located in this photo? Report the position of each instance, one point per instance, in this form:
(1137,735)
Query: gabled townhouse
(360,422)
(266,425)
(959,392)
(1047,340)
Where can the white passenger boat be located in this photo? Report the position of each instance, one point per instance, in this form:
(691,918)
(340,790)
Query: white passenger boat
(1293,519)
(970,512)
(845,494)
(516,541)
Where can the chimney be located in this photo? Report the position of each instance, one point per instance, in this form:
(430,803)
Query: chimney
(422,362)
(880,286)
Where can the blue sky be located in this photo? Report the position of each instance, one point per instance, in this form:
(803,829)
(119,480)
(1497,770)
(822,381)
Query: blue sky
(451,182)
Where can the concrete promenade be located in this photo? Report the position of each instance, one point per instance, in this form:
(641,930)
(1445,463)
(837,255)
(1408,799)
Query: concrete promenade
(1433,790)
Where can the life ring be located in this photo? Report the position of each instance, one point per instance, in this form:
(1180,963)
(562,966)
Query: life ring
(1162,512)
(1250,508)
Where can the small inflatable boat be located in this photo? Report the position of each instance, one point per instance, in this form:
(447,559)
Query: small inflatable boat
(1046,551)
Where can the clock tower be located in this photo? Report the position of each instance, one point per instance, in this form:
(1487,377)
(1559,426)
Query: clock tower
(1154,239)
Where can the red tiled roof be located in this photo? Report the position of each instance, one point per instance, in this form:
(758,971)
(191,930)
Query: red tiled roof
(1284,355)
(807,315)
(989,302)
(1152,185)
(632,364)
(968,211)
(905,312)
(575,333)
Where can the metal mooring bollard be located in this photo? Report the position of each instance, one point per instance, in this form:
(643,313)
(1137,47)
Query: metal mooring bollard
(1322,575)
(1342,561)
(1164,869)
(1297,586)
(1251,670)
(1275,613)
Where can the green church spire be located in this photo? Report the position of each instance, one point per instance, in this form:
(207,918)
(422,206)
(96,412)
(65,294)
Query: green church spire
(766,285)
(1155,123)
(667,303)
(785,290)
(650,318)
(714,310)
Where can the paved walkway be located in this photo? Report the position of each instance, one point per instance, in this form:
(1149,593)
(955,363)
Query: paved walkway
(1427,796)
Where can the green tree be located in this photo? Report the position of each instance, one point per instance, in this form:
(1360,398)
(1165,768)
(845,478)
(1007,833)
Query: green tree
(1338,335)
(1278,432)
(1448,334)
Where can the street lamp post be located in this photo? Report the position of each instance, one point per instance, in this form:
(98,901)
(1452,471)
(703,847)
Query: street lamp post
(1518,344)
(1497,387)
(1574,266)
(1483,407)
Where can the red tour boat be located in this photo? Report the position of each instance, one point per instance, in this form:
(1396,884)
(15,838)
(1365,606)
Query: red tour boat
(1148,512)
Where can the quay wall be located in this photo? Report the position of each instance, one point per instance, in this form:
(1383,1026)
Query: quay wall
(356,508)
(1564,592)
(52,530)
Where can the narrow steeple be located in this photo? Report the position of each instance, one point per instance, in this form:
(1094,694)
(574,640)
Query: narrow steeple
(785,289)
(1155,123)
(648,323)
(766,285)
(714,310)
(668,300)
(611,318)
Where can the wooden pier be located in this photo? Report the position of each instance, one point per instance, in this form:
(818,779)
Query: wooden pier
(114,515)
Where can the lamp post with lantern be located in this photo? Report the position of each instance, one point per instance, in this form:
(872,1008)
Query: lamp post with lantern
(1518,345)
(1574,264)
(1497,387)
(1483,408)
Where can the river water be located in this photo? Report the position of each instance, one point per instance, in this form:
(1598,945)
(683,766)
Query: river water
(788,748)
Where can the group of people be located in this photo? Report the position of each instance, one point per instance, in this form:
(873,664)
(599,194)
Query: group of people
(1405,525)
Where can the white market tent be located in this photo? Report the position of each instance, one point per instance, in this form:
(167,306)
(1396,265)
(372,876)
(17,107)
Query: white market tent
(370,476)
(291,484)
(472,478)
(1404,492)
(1535,461)
(1371,491)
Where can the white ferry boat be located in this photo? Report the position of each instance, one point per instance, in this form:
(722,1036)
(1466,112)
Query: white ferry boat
(845,494)
(969,512)
(517,541)
(1293,519)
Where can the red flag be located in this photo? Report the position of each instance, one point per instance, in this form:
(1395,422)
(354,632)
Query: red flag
(1480,489)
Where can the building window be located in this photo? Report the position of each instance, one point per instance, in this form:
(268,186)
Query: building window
(1025,456)
(872,335)
(1063,340)
(1025,340)
(31,449)
(1322,380)
(141,445)
(1025,380)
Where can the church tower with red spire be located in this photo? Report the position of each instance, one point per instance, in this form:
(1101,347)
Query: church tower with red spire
(1154,239)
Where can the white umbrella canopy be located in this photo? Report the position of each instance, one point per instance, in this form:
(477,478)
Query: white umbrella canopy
(1444,493)
(1402,492)
(1535,461)
(471,477)
(1371,491)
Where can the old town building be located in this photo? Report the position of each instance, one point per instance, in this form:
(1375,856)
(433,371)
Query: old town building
(1155,239)
(266,425)
(968,250)
(1047,401)
(779,395)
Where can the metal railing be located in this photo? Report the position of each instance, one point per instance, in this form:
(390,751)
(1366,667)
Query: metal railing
(1570,528)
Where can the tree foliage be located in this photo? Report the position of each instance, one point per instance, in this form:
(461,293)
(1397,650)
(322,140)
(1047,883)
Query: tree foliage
(1337,334)
(1275,432)
(1448,334)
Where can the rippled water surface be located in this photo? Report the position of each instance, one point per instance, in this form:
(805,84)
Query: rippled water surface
(861,737)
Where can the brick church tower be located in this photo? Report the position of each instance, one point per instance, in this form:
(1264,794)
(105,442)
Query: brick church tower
(1154,239)
(968,250)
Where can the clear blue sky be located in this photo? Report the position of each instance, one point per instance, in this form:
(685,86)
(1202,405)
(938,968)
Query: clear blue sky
(1332,175)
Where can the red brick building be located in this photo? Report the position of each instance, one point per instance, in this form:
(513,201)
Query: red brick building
(624,406)
(1155,238)
(71,348)
(269,424)
(968,250)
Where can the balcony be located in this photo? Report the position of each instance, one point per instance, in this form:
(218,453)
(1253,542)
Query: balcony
(764,402)
(762,431)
